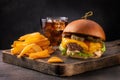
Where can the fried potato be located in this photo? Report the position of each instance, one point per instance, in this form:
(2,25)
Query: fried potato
(30,51)
(35,34)
(37,48)
(33,45)
(15,51)
(25,50)
(46,43)
(18,43)
(54,59)
(17,47)
(50,49)
(34,38)
(41,54)
(22,38)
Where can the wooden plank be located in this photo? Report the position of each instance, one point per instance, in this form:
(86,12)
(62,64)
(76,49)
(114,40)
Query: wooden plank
(70,66)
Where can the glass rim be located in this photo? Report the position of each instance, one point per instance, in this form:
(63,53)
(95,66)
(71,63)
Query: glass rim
(57,17)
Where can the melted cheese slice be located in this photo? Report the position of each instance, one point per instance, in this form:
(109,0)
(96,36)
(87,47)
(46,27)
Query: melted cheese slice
(91,48)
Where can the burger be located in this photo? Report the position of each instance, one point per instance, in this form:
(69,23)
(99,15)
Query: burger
(84,39)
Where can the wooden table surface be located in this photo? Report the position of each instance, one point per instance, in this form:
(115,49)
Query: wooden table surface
(12,72)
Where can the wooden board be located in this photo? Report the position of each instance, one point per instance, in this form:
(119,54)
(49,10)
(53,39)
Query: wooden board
(70,66)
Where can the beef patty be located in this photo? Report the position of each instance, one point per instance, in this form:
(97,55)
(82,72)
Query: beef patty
(74,46)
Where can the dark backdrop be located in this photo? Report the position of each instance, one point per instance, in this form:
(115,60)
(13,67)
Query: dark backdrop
(18,17)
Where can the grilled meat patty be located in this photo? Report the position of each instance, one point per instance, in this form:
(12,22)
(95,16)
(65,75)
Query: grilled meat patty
(74,46)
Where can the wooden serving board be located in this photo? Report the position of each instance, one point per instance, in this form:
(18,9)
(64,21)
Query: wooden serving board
(70,66)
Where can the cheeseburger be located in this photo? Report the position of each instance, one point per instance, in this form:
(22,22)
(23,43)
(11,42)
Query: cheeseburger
(83,38)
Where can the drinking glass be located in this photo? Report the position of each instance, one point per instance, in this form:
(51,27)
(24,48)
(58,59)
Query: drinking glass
(53,27)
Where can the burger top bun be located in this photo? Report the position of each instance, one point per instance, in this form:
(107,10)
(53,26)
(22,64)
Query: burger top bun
(86,27)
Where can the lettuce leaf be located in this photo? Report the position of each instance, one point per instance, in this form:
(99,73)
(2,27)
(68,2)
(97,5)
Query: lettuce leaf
(85,55)
(82,54)
(62,49)
(103,48)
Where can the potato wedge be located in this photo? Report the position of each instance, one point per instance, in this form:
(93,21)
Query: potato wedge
(33,45)
(15,51)
(18,48)
(25,50)
(18,43)
(46,43)
(50,49)
(22,38)
(37,48)
(30,51)
(35,34)
(41,54)
(54,59)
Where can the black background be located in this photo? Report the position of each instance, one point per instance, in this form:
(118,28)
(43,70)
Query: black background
(18,17)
